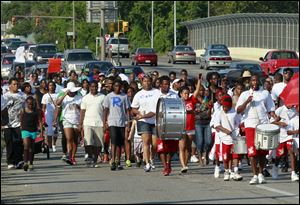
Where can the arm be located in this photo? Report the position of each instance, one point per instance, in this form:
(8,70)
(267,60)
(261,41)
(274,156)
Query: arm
(242,107)
(223,129)
(293,132)
(21,119)
(40,121)
(44,108)
(60,100)
(82,115)
(105,116)
(197,91)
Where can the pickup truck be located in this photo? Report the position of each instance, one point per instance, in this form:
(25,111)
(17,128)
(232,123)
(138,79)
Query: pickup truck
(278,58)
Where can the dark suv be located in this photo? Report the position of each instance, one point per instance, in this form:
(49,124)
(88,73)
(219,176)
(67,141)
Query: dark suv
(43,52)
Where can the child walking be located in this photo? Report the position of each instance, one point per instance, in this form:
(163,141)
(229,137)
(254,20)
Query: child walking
(30,118)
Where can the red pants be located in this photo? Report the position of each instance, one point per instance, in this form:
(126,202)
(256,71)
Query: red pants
(167,146)
(284,147)
(227,153)
(250,137)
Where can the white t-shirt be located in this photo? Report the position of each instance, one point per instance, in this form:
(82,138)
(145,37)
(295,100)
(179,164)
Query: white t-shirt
(124,77)
(230,121)
(46,100)
(286,115)
(83,92)
(3,103)
(294,125)
(170,94)
(277,90)
(71,112)
(257,111)
(93,104)
(217,110)
(145,101)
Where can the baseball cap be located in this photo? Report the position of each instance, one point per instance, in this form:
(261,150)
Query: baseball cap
(246,74)
(101,74)
(177,80)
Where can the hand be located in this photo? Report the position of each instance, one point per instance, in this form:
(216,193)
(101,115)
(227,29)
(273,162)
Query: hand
(54,123)
(228,132)
(250,98)
(283,124)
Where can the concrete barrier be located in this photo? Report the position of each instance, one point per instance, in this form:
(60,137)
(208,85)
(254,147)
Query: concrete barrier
(251,54)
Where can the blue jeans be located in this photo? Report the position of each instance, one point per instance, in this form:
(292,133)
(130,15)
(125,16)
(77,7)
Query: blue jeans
(203,137)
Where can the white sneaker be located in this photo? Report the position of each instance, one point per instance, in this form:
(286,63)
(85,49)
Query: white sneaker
(10,166)
(53,148)
(261,179)
(275,172)
(152,164)
(254,180)
(147,167)
(294,177)
(217,172)
(236,177)
(226,176)
(194,159)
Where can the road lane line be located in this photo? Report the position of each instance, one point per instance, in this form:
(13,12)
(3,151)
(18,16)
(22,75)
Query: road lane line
(277,191)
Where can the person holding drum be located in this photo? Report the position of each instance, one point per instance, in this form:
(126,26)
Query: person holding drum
(185,143)
(166,148)
(285,114)
(228,124)
(255,105)
(144,107)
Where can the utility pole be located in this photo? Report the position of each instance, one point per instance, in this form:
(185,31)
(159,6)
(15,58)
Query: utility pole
(152,25)
(175,23)
(102,40)
(74,44)
(208,9)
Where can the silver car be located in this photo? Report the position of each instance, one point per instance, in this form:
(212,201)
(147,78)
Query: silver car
(113,44)
(76,58)
(6,64)
(182,53)
(215,58)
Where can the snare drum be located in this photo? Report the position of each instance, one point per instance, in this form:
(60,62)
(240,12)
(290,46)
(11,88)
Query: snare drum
(240,145)
(170,119)
(267,136)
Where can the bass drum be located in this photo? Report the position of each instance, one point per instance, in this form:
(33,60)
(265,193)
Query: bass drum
(170,119)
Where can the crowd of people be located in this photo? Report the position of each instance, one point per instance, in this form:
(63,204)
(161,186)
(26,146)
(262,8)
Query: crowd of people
(108,115)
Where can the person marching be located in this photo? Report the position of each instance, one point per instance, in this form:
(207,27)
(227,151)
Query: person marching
(228,123)
(30,117)
(256,105)
(116,116)
(166,148)
(185,144)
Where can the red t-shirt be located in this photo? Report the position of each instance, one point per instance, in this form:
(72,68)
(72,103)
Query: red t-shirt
(190,118)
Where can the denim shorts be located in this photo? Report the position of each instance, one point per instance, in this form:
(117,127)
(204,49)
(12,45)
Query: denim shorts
(26,134)
(67,124)
(145,128)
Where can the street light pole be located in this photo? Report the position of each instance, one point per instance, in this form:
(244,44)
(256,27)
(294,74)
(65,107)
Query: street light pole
(74,45)
(175,23)
(208,9)
(152,25)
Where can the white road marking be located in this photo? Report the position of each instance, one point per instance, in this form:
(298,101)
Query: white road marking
(277,191)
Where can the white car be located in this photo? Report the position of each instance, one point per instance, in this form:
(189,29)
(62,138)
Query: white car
(215,58)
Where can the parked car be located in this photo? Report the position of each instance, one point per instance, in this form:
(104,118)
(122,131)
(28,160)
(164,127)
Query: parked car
(278,58)
(60,55)
(216,58)
(76,58)
(127,70)
(6,64)
(281,69)
(102,66)
(43,52)
(14,45)
(113,44)
(182,53)
(218,46)
(144,56)
(7,41)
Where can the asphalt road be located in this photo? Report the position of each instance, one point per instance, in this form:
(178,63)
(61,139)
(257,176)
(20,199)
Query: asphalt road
(53,181)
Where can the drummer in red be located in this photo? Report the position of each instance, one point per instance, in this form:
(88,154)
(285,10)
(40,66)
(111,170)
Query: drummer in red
(255,105)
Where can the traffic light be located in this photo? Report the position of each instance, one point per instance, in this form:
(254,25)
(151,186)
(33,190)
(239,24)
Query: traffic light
(37,21)
(125,26)
(111,27)
(13,20)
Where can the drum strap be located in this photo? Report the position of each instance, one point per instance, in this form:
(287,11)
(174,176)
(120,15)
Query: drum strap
(234,132)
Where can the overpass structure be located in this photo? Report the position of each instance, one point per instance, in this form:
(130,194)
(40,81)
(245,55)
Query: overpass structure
(261,31)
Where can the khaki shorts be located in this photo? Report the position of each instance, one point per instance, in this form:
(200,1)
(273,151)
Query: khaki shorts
(93,136)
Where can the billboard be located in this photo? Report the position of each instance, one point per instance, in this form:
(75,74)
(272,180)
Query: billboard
(93,11)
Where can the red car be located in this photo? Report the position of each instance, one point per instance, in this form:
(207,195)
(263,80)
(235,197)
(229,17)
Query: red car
(278,58)
(144,56)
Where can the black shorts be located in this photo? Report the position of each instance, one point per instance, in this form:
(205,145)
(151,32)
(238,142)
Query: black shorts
(117,135)
(145,128)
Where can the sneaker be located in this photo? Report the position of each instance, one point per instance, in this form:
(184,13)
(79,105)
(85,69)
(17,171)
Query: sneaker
(294,177)
(147,167)
(226,176)
(86,156)
(266,173)
(240,166)
(152,164)
(68,160)
(119,166)
(113,166)
(20,165)
(166,171)
(73,160)
(10,166)
(254,180)
(194,159)
(25,167)
(30,167)
(96,165)
(261,179)
(53,148)
(236,177)
(63,158)
(128,163)
(217,172)
(275,172)
(184,170)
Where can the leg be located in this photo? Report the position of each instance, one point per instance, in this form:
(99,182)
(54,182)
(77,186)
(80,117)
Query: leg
(69,132)
(147,140)
(182,151)
(9,146)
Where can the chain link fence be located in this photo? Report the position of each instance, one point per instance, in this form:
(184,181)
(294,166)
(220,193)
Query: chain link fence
(251,30)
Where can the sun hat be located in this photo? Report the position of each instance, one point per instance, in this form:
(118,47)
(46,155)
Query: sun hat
(246,74)
(71,87)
